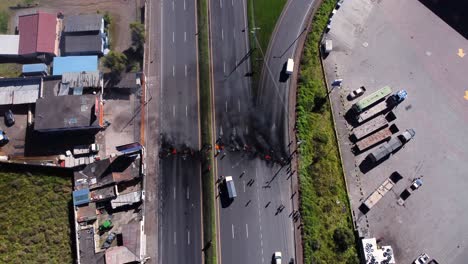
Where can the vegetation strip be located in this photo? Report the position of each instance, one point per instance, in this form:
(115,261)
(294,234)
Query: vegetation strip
(208,199)
(328,235)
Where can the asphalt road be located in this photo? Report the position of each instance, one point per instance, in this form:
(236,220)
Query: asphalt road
(180,193)
(404,45)
(251,228)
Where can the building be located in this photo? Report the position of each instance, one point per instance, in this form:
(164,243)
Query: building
(9,45)
(14,91)
(84,45)
(75,64)
(84,24)
(36,69)
(69,113)
(373,254)
(82,79)
(38,35)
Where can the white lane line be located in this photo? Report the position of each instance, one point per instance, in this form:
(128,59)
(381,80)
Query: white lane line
(188,237)
(174,187)
(244,185)
(173,36)
(185,70)
(186,114)
(175,238)
(173,6)
(188,193)
(173,113)
(184,4)
(226,107)
(238,104)
(185,36)
(222,34)
(247,230)
(234,33)
(246,130)
(232,231)
(224,66)
(237,68)
(232,2)
(173,70)
(221,3)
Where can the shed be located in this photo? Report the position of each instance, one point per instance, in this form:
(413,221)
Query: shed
(19,90)
(84,23)
(91,79)
(35,69)
(80,197)
(9,45)
(75,64)
(38,34)
(84,45)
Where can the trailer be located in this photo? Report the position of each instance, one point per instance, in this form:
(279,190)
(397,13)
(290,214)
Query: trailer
(380,192)
(376,137)
(394,143)
(371,99)
(371,112)
(372,126)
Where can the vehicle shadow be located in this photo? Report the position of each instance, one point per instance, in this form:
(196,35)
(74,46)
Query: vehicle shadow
(283,76)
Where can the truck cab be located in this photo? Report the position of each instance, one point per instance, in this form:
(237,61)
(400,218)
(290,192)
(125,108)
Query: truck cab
(289,66)
(277,257)
(231,188)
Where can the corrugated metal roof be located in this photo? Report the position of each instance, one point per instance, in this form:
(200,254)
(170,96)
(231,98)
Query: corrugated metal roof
(75,64)
(126,199)
(81,197)
(85,44)
(83,23)
(82,79)
(19,90)
(9,44)
(37,33)
(36,67)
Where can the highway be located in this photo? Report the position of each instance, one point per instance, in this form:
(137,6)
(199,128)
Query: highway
(251,228)
(180,195)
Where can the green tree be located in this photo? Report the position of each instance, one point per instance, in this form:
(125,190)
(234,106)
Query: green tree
(115,61)
(343,238)
(138,35)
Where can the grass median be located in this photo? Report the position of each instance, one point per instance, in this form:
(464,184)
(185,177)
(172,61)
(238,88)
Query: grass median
(208,196)
(263,15)
(328,235)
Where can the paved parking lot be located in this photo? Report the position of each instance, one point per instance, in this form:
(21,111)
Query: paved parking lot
(17,132)
(403,44)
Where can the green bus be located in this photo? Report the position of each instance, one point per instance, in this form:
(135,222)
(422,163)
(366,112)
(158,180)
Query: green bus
(372,99)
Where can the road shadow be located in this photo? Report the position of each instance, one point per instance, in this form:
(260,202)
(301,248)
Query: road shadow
(452,12)
(283,76)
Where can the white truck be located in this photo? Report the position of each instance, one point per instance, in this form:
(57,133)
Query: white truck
(277,257)
(289,66)
(85,149)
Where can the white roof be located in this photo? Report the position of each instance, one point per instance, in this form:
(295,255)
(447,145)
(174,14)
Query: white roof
(9,44)
(125,199)
(375,254)
(19,91)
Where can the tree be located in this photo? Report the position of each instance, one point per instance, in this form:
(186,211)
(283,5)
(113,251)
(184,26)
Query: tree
(343,238)
(138,35)
(115,61)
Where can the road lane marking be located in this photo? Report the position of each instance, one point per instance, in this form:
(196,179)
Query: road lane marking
(173,70)
(237,68)
(173,6)
(175,238)
(232,231)
(466,95)
(186,110)
(244,185)
(174,187)
(188,193)
(247,230)
(184,4)
(222,34)
(185,36)
(224,66)
(232,2)
(188,237)
(173,113)
(460,53)
(185,70)
(226,107)
(238,104)
(234,33)
(221,3)
(173,36)
(247,130)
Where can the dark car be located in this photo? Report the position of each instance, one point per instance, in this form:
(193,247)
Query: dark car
(108,241)
(9,118)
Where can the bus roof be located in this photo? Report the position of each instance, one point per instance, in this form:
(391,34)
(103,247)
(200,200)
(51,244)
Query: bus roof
(372,98)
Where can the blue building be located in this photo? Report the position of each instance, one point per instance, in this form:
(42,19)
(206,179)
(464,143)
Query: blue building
(75,64)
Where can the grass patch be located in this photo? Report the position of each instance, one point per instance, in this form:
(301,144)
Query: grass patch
(208,196)
(262,14)
(34,219)
(328,232)
(10,70)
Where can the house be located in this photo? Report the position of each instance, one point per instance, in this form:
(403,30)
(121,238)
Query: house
(38,35)
(36,69)
(84,35)
(69,113)
(84,45)
(9,46)
(74,64)
(84,24)
(84,79)
(14,91)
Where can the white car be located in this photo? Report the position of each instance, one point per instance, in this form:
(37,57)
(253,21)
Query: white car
(277,257)
(422,259)
(356,93)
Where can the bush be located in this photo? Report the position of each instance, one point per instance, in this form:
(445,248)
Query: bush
(3,22)
(115,61)
(343,238)
(138,35)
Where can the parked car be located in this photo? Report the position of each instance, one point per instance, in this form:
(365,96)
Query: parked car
(356,93)
(109,240)
(416,184)
(9,118)
(3,138)
(422,259)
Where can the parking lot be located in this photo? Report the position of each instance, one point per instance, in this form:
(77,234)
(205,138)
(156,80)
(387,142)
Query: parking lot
(404,45)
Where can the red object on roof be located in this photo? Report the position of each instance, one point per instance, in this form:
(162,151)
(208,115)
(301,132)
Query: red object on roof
(37,33)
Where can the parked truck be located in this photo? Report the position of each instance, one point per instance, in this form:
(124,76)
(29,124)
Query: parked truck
(380,192)
(371,99)
(372,126)
(376,137)
(394,143)
(289,66)
(85,149)
(382,106)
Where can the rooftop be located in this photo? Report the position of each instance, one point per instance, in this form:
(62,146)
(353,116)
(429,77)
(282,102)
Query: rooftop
(126,199)
(86,245)
(82,79)
(38,33)
(374,254)
(36,67)
(68,112)
(120,254)
(19,90)
(75,64)
(83,23)
(86,213)
(84,44)
(9,44)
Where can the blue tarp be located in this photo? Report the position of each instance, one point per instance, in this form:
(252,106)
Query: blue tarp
(81,197)
(37,67)
(75,64)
